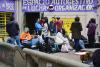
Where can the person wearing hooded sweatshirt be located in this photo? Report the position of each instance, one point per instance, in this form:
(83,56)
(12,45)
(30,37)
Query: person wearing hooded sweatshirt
(12,28)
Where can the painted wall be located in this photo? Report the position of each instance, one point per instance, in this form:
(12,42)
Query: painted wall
(84,16)
(98,18)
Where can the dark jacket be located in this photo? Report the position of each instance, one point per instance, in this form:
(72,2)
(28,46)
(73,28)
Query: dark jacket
(76,29)
(52,27)
(96,58)
(91,29)
(12,28)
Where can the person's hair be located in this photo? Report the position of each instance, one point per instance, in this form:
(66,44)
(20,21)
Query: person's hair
(77,19)
(43,18)
(89,21)
(53,17)
(58,18)
(46,19)
(93,20)
(63,31)
(26,28)
(11,18)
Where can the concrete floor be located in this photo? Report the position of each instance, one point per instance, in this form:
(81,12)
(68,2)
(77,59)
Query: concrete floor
(4,65)
(71,55)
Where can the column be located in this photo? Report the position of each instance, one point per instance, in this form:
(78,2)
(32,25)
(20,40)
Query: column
(19,15)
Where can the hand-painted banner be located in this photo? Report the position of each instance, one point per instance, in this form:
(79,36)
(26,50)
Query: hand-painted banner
(8,5)
(58,5)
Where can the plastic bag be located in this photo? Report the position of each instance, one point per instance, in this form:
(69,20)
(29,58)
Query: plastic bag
(64,48)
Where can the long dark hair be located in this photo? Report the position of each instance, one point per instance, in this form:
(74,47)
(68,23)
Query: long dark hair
(93,20)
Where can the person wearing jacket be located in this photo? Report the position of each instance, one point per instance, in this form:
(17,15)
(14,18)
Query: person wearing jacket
(52,27)
(27,39)
(91,32)
(76,29)
(25,36)
(12,28)
(58,25)
(38,27)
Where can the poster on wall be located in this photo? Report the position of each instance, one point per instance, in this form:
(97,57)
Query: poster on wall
(67,24)
(58,5)
(8,5)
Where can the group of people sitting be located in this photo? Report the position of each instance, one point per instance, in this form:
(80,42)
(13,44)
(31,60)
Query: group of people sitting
(45,43)
(59,42)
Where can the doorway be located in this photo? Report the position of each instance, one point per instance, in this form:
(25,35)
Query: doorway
(31,19)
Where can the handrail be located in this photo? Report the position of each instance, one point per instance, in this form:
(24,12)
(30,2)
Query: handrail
(12,55)
(54,59)
(13,47)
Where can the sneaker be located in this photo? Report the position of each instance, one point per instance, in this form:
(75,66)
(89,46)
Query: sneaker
(33,46)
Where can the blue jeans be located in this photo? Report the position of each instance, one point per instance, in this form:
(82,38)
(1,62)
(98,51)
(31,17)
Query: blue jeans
(56,46)
(77,45)
(81,42)
(14,40)
(34,41)
(30,43)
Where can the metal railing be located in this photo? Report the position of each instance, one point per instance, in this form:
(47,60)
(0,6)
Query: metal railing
(40,59)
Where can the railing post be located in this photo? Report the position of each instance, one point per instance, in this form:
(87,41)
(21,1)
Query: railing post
(30,62)
(41,63)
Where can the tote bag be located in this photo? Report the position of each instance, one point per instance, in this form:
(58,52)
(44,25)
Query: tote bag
(64,48)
